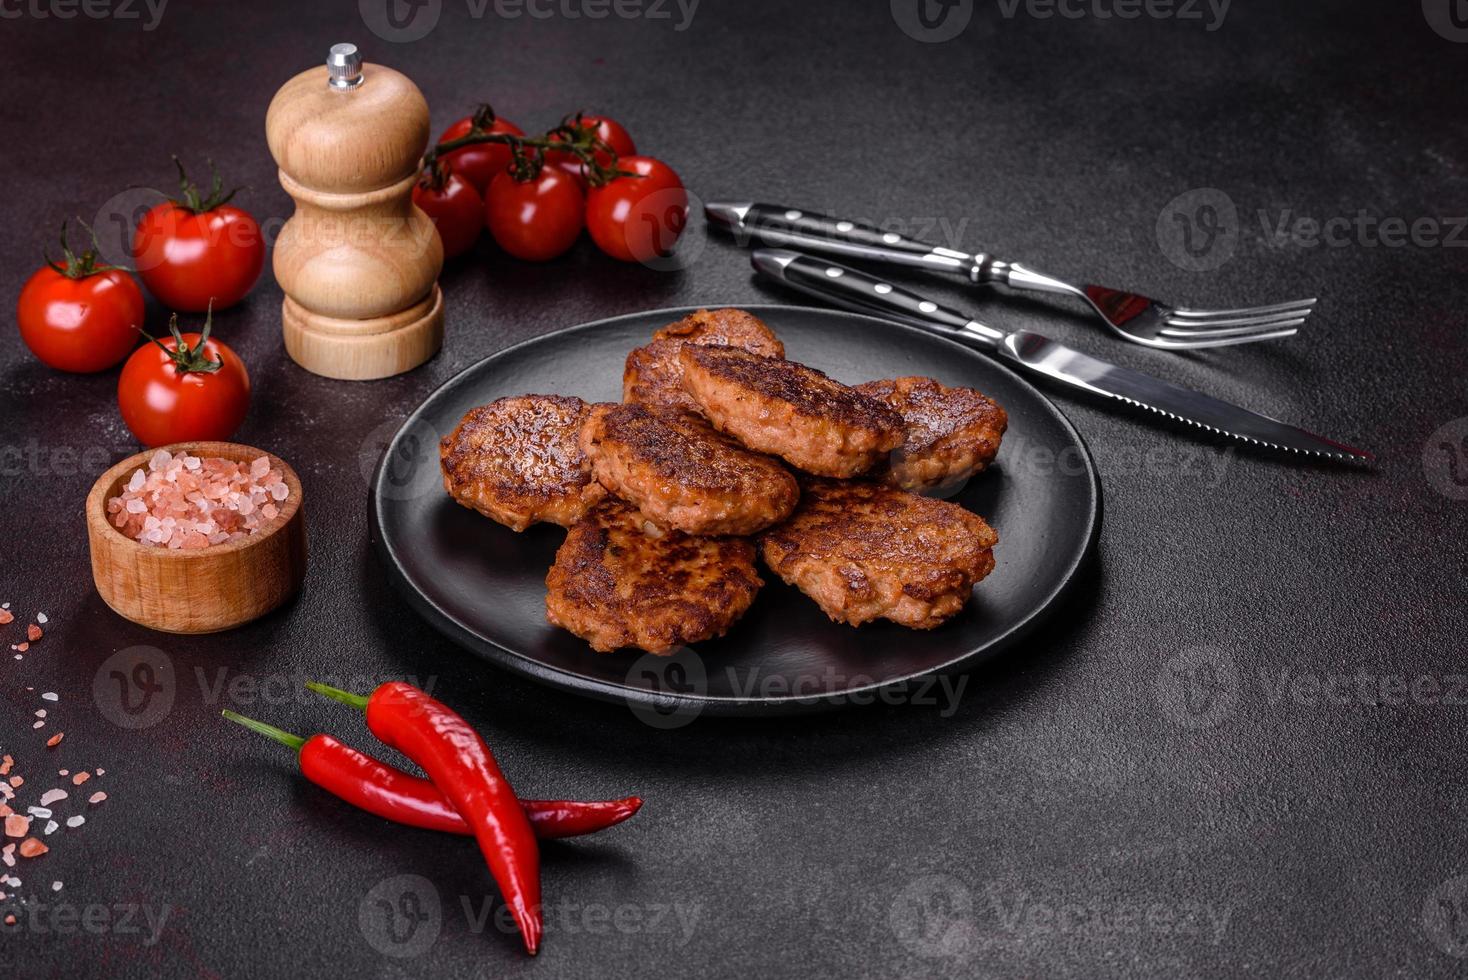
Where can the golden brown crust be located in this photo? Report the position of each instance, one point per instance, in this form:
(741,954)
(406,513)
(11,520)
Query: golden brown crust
(517,461)
(683,474)
(653,375)
(952,433)
(864,551)
(619,582)
(790,410)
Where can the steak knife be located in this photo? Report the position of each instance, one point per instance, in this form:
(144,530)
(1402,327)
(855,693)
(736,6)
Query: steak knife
(1037,354)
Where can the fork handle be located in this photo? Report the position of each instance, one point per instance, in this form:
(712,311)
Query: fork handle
(773,224)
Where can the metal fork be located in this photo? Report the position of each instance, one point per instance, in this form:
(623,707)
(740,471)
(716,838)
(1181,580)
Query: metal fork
(1135,317)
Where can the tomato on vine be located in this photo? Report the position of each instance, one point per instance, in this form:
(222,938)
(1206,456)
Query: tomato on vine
(198,251)
(609,137)
(79,315)
(638,218)
(189,388)
(535,218)
(454,206)
(481,163)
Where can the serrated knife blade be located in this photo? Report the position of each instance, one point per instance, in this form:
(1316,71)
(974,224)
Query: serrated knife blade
(1033,352)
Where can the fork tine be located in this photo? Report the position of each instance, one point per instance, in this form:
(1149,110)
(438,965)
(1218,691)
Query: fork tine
(1176,333)
(1247,322)
(1173,343)
(1252,311)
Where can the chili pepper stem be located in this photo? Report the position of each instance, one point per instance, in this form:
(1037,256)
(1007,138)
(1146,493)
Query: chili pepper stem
(337,694)
(269,731)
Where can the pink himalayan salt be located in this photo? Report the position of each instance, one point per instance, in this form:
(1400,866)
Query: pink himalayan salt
(184,501)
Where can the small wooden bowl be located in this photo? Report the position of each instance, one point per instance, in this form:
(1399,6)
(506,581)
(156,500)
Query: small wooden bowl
(201,590)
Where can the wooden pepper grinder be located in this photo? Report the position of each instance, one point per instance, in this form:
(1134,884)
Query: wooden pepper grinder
(359,261)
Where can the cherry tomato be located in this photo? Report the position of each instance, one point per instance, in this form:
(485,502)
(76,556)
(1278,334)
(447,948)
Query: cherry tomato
(198,251)
(78,315)
(481,163)
(457,211)
(637,219)
(183,389)
(609,131)
(535,220)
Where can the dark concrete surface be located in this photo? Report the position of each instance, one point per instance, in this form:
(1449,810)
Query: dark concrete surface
(1239,751)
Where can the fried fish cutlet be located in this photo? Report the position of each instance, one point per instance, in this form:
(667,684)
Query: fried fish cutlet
(619,582)
(952,433)
(517,461)
(653,374)
(790,410)
(680,472)
(864,551)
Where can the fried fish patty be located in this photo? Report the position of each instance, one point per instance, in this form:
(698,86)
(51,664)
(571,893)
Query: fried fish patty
(790,410)
(619,581)
(952,433)
(864,551)
(517,461)
(653,374)
(680,472)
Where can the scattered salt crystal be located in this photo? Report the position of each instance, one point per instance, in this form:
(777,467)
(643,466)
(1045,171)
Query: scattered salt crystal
(56,886)
(76,821)
(52,795)
(80,778)
(51,826)
(39,724)
(50,696)
(95,798)
(101,772)
(40,712)
(38,811)
(42,618)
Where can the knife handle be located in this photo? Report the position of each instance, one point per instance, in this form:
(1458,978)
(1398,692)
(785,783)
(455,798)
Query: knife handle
(865,293)
(761,217)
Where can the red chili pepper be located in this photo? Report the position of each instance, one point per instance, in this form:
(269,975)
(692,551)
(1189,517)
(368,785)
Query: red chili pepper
(372,785)
(460,764)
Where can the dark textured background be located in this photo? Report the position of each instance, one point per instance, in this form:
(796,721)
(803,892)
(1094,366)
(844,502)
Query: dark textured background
(1088,810)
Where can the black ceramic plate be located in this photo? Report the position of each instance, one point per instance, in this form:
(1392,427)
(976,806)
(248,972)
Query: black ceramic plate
(484,586)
